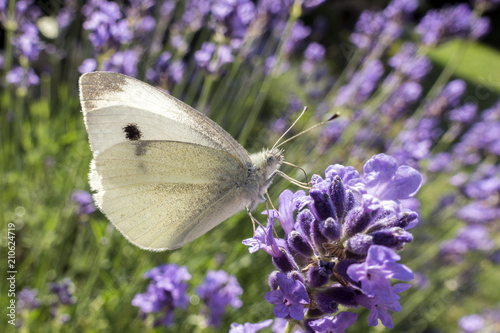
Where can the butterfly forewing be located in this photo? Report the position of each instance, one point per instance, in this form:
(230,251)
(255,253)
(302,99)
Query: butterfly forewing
(111,102)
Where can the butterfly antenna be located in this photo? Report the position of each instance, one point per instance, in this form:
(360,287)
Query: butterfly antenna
(336,115)
(296,166)
(289,128)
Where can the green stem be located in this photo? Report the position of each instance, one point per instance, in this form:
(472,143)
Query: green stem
(266,85)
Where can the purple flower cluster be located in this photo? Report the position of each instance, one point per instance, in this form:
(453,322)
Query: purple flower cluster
(485,322)
(439,25)
(165,293)
(84,201)
(340,250)
(64,290)
(212,58)
(168,292)
(27,299)
(383,27)
(218,291)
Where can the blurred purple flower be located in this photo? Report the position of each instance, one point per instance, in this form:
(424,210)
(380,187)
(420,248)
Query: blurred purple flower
(165,293)
(453,21)
(213,58)
(84,201)
(289,298)
(123,62)
(88,65)
(409,63)
(472,323)
(297,36)
(439,162)
(361,85)
(217,291)
(27,299)
(166,73)
(64,290)
(22,77)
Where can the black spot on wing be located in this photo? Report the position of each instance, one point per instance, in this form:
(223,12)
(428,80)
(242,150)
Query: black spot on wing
(132,132)
(141,147)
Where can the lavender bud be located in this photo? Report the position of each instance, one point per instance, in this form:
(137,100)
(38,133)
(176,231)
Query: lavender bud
(407,219)
(337,194)
(296,276)
(317,276)
(330,229)
(359,244)
(317,236)
(323,205)
(297,242)
(384,220)
(273,280)
(350,202)
(305,219)
(357,220)
(342,295)
(326,303)
(284,262)
(394,237)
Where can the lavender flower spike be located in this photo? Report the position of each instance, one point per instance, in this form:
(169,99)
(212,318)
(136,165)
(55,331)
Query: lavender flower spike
(217,291)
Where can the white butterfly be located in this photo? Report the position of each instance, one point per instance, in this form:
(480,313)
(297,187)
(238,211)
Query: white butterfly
(163,173)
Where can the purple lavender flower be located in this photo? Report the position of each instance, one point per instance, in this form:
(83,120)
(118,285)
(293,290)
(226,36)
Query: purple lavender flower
(379,305)
(232,19)
(439,162)
(27,43)
(313,54)
(297,36)
(453,21)
(409,63)
(84,201)
(337,324)
(375,272)
(123,62)
(361,85)
(472,323)
(88,65)
(165,293)
(401,99)
(64,290)
(386,181)
(213,58)
(249,327)
(217,291)
(22,77)
(166,73)
(341,241)
(289,298)
(27,299)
